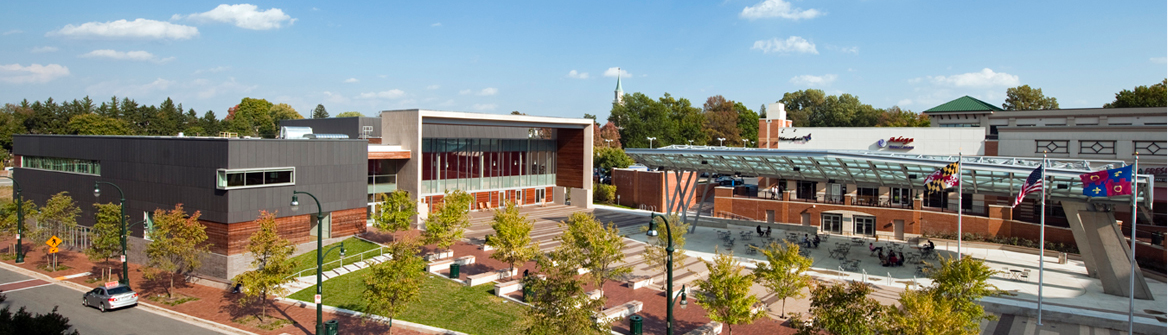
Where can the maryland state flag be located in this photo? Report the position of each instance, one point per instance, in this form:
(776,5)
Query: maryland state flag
(942,179)
(1107,183)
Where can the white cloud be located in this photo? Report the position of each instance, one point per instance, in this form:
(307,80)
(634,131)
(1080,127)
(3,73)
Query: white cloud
(126,55)
(130,90)
(577,75)
(242,15)
(34,73)
(614,71)
(777,8)
(351,80)
(1160,60)
(390,94)
(791,44)
(436,24)
(38,50)
(433,87)
(229,86)
(335,98)
(904,102)
(140,28)
(484,92)
(13,32)
(983,78)
(216,69)
(814,81)
(484,107)
(850,50)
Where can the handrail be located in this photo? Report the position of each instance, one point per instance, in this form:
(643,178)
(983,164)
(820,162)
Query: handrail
(380,250)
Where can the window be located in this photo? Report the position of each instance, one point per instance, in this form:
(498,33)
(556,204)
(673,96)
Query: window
(901,196)
(1096,147)
(960,125)
(1149,147)
(248,178)
(805,189)
(1050,146)
(147,225)
(61,165)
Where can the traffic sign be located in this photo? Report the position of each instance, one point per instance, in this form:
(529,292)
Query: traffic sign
(53,250)
(53,241)
(316,298)
(123,258)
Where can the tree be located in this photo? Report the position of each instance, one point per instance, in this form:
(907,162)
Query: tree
(722,119)
(842,308)
(449,221)
(273,265)
(106,234)
(395,212)
(921,313)
(590,116)
(608,136)
(283,111)
(57,216)
(177,248)
(558,303)
(800,103)
(251,117)
(687,121)
(640,117)
(725,293)
(604,194)
(896,117)
(608,158)
(747,122)
(319,112)
(390,286)
(598,247)
(1142,96)
(1024,98)
(93,124)
(784,273)
(8,217)
(963,281)
(24,323)
(655,252)
(512,238)
(350,114)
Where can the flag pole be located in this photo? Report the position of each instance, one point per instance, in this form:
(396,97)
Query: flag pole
(959,187)
(1041,237)
(1131,302)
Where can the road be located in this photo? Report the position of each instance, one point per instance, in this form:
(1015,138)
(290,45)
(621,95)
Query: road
(39,297)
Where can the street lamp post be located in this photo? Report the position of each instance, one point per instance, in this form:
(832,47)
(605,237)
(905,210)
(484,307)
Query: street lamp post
(720,139)
(608,143)
(691,143)
(19,222)
(745,142)
(669,298)
(122,205)
(651,141)
(319,252)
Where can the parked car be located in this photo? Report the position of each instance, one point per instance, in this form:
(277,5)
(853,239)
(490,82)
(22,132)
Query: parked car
(109,298)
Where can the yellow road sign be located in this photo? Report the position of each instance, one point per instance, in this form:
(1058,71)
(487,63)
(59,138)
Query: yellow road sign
(53,250)
(54,241)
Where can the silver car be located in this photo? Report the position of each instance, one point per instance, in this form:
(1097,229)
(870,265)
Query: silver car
(110,298)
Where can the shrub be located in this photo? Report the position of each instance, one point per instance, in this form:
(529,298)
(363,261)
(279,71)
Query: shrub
(604,194)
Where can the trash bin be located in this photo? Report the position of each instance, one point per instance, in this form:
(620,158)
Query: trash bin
(635,324)
(454,270)
(1062,258)
(330,327)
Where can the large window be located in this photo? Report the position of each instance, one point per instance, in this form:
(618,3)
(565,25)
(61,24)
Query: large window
(901,196)
(61,165)
(248,178)
(483,164)
(805,189)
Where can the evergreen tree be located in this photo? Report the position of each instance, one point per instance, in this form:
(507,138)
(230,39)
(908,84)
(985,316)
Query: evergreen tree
(319,112)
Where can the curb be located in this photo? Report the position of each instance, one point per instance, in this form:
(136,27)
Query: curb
(396,322)
(207,324)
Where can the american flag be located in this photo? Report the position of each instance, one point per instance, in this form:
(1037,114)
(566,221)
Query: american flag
(1032,184)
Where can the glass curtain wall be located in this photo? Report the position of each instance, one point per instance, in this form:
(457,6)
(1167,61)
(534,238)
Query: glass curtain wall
(471,164)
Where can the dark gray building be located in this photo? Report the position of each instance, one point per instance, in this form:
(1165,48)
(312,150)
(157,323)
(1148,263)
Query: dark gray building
(228,181)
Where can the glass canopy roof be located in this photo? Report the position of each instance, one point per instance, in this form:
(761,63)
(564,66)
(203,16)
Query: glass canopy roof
(992,175)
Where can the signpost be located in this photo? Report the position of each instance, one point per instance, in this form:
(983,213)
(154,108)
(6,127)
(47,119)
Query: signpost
(53,242)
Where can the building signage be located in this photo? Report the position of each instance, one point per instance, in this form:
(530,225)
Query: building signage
(895,143)
(1159,173)
(796,138)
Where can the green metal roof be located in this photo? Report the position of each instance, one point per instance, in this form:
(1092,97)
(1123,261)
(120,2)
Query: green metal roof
(964,104)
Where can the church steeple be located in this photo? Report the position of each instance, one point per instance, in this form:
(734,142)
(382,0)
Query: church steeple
(620,93)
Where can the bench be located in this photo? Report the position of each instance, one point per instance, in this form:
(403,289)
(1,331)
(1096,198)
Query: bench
(440,255)
(620,311)
(594,294)
(505,288)
(640,282)
(486,247)
(465,260)
(436,266)
(486,277)
(714,327)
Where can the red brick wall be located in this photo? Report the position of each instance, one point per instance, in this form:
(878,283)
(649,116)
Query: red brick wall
(637,188)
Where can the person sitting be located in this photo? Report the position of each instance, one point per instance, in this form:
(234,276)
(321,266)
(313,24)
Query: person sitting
(900,259)
(238,288)
(805,241)
(815,241)
(759,230)
(874,249)
(891,261)
(882,258)
(768,232)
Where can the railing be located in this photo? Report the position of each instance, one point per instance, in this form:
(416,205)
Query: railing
(380,250)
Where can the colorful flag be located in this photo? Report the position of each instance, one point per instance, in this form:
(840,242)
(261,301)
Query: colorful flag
(1034,183)
(942,179)
(1107,183)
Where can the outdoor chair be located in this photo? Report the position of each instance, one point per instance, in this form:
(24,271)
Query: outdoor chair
(1025,274)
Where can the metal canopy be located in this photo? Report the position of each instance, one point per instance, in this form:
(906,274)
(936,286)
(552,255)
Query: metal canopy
(992,175)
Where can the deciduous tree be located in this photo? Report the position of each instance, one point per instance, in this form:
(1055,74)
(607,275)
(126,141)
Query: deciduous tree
(963,281)
(93,124)
(177,248)
(747,122)
(842,308)
(319,112)
(722,119)
(350,114)
(1023,98)
(655,253)
(450,221)
(58,215)
(1142,96)
(599,247)
(512,237)
(272,264)
(23,322)
(105,235)
(395,212)
(251,117)
(608,158)
(283,111)
(725,292)
(896,117)
(558,303)
(8,217)
(640,117)
(921,313)
(784,273)
(390,286)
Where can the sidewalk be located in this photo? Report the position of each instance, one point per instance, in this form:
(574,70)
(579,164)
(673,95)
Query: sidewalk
(214,305)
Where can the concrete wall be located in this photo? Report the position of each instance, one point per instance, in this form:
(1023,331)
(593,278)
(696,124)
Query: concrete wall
(404,128)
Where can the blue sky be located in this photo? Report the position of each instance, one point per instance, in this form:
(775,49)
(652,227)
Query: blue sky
(558,58)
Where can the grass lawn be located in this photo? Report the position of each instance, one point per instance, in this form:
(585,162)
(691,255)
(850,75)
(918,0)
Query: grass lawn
(443,303)
(353,246)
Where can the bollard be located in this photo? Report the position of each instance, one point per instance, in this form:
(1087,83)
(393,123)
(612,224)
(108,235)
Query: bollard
(454,270)
(635,324)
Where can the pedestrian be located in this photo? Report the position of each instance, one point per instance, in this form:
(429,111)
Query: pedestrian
(768,232)
(759,230)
